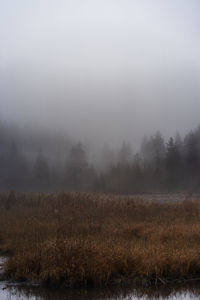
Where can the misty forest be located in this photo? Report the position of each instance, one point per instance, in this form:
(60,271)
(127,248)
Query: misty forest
(30,162)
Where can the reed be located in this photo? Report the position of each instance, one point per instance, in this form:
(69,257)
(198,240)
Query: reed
(93,239)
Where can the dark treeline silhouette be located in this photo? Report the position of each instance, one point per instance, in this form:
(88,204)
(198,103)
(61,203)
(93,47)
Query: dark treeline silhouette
(47,162)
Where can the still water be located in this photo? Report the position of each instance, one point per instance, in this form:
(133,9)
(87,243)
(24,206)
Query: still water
(11,292)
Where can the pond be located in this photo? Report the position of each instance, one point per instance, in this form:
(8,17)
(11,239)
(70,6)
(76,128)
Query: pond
(10,291)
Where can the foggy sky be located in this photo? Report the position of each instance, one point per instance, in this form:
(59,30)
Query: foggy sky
(106,70)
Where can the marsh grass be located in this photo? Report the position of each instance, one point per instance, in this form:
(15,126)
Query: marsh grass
(92,239)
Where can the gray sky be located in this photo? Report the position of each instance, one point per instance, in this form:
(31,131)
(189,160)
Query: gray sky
(101,69)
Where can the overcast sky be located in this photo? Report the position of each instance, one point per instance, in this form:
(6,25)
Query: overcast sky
(101,69)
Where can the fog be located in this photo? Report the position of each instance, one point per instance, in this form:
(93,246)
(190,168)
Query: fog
(101,71)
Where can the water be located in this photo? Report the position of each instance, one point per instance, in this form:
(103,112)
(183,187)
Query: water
(12,291)
(9,291)
(2,260)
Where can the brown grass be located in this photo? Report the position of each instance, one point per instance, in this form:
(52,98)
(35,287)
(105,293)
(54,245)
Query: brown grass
(91,239)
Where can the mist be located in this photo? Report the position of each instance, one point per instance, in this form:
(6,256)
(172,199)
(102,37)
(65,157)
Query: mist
(102,71)
(103,90)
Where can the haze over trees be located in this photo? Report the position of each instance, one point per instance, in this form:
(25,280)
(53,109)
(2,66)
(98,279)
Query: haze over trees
(104,71)
(30,163)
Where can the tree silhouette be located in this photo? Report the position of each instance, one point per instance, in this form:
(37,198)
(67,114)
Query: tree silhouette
(76,167)
(41,172)
(173,164)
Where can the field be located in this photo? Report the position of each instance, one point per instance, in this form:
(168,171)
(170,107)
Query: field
(80,239)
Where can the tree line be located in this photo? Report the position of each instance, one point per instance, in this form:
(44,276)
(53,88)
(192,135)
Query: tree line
(159,166)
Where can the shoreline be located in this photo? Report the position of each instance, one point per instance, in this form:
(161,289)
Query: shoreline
(125,281)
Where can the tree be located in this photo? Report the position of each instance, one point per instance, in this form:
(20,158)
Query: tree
(76,167)
(153,155)
(41,172)
(173,164)
(125,154)
(192,158)
(14,169)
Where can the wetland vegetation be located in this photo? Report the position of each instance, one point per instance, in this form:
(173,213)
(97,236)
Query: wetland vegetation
(84,239)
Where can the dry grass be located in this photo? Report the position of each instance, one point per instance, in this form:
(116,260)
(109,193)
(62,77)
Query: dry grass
(91,239)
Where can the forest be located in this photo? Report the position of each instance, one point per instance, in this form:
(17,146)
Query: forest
(48,162)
